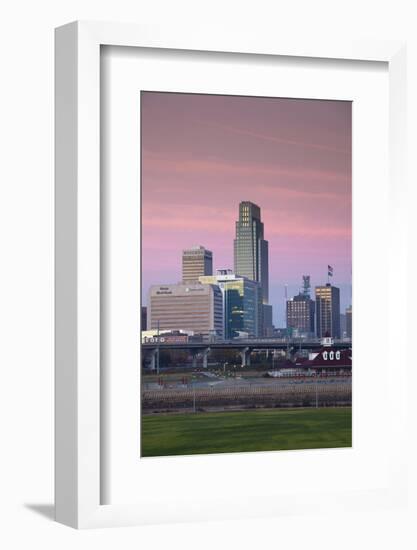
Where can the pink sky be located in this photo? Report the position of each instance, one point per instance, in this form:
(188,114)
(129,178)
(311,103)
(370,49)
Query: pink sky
(202,155)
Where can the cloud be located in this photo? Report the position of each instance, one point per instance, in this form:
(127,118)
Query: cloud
(275,139)
(293,182)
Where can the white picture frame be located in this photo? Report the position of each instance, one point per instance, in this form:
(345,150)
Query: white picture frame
(78,404)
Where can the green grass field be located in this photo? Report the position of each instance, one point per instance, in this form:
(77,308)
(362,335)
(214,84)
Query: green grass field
(250,430)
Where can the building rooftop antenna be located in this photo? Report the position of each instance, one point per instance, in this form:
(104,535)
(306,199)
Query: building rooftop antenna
(306,285)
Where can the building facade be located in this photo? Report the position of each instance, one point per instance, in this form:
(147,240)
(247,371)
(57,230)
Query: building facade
(300,315)
(328,359)
(267,323)
(195,307)
(242,303)
(342,325)
(250,247)
(196,262)
(327,311)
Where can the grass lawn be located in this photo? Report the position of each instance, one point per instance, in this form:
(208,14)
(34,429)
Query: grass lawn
(250,430)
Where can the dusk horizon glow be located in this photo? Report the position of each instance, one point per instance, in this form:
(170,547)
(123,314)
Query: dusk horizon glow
(203,154)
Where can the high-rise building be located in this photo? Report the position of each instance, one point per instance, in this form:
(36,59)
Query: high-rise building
(300,311)
(250,247)
(195,307)
(349,322)
(300,315)
(342,325)
(267,324)
(242,303)
(196,262)
(327,311)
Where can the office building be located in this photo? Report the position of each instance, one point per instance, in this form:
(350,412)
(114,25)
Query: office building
(327,311)
(196,262)
(267,324)
(300,315)
(195,307)
(250,248)
(349,322)
(242,303)
(342,325)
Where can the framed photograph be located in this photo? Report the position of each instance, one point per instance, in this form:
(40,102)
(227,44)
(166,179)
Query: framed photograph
(231,345)
(228,215)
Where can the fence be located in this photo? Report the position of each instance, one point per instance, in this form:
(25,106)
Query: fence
(306,394)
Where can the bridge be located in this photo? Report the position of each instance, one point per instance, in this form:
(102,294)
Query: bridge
(244,347)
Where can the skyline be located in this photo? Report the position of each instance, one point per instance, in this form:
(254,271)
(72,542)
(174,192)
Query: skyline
(202,155)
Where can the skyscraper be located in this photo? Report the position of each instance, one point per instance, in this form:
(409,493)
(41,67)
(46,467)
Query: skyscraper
(342,325)
(349,322)
(267,323)
(250,248)
(242,303)
(327,311)
(300,314)
(196,262)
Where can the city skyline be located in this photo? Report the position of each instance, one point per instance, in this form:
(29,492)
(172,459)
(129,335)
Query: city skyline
(290,291)
(202,155)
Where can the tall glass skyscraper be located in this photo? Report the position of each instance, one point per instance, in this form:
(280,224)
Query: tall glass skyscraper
(242,305)
(250,247)
(328,311)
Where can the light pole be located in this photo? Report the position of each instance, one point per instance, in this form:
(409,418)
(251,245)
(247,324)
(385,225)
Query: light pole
(194,397)
(193,380)
(157,348)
